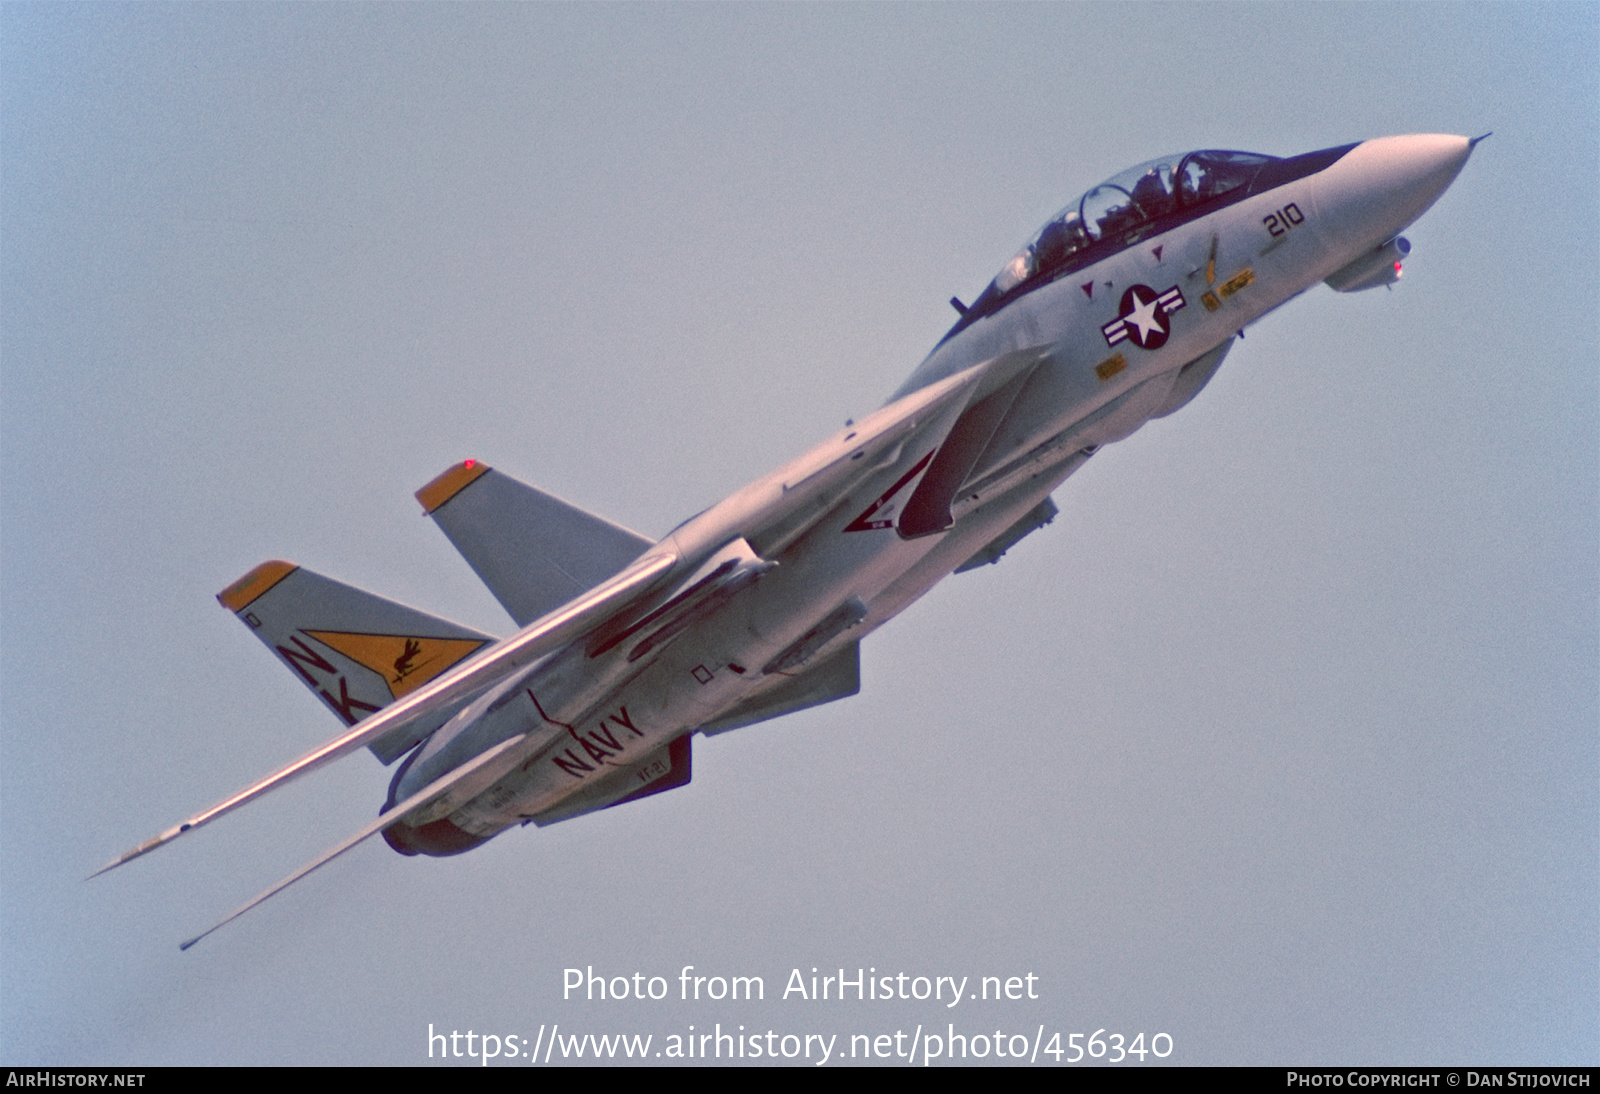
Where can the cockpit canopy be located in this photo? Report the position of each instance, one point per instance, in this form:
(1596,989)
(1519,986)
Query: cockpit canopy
(1125,208)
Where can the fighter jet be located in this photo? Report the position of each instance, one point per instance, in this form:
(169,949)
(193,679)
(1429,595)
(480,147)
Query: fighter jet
(1117,311)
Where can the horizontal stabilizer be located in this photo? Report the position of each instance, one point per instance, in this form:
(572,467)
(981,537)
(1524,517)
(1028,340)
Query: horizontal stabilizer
(357,652)
(837,676)
(534,551)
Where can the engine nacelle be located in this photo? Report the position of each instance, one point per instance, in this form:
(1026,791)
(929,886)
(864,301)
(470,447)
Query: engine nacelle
(1380,267)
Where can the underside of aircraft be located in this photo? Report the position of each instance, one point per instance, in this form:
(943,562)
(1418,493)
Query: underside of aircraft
(1118,311)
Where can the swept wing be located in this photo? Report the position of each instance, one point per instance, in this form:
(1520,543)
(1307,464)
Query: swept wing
(520,650)
(771,512)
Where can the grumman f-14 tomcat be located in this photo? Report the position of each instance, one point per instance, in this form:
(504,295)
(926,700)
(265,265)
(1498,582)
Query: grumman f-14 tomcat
(1117,311)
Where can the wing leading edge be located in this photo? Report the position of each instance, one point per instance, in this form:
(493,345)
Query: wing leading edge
(517,652)
(771,512)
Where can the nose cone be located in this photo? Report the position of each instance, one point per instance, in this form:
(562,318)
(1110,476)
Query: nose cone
(1382,185)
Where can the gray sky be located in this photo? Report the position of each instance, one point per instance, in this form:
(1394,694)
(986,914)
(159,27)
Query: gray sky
(1281,740)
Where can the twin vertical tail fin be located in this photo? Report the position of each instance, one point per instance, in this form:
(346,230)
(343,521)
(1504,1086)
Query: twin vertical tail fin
(357,652)
(534,551)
